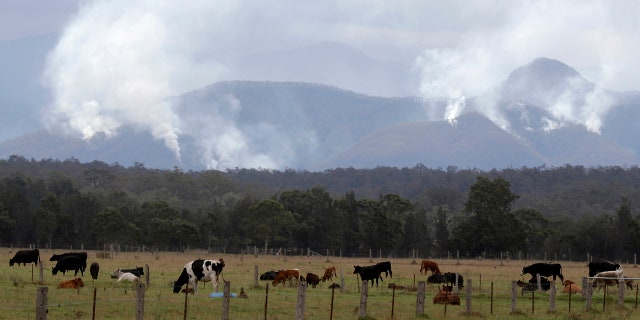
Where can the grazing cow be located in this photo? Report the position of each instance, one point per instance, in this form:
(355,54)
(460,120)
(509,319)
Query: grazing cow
(71,284)
(571,287)
(367,273)
(329,273)
(437,278)
(269,275)
(385,267)
(601,266)
(82,256)
(312,279)
(610,278)
(284,275)
(451,279)
(544,269)
(68,263)
(138,271)
(24,257)
(446,297)
(198,270)
(94,268)
(428,265)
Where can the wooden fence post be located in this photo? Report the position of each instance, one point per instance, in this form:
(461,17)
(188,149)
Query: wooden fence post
(226,296)
(587,289)
(514,296)
(341,281)
(469,291)
(255,276)
(41,273)
(41,303)
(363,299)
(420,298)
(146,275)
(302,293)
(552,297)
(140,301)
(93,313)
(621,287)
(266,299)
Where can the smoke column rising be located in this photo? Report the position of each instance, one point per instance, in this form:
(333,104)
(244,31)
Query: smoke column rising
(116,64)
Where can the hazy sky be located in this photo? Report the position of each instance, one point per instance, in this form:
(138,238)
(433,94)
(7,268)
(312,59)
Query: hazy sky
(118,60)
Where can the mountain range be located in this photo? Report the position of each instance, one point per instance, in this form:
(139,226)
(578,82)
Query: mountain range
(543,113)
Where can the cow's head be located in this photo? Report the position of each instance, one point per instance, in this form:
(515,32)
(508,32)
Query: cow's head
(357,269)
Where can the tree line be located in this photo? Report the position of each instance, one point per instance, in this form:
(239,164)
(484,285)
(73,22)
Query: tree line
(435,212)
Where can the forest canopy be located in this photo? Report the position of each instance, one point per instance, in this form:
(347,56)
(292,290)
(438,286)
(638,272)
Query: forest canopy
(567,212)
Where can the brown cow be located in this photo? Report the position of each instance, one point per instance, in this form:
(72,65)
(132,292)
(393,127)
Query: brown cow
(284,275)
(71,284)
(329,273)
(446,297)
(312,279)
(570,286)
(429,265)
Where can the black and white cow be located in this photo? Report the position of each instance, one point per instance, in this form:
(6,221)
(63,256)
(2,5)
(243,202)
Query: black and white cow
(544,269)
(24,257)
(199,270)
(601,266)
(137,271)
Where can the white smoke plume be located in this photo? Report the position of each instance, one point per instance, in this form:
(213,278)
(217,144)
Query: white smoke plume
(590,36)
(118,62)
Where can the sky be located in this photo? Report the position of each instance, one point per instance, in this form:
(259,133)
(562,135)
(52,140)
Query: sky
(116,61)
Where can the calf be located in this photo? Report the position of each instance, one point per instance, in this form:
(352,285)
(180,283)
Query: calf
(285,275)
(367,273)
(428,265)
(571,287)
(71,284)
(24,257)
(446,297)
(329,273)
(312,279)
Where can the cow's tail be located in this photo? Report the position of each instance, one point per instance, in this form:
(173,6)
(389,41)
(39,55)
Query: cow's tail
(184,278)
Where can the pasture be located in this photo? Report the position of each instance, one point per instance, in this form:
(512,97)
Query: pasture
(116,300)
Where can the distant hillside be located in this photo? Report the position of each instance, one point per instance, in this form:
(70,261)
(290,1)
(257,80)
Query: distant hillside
(544,113)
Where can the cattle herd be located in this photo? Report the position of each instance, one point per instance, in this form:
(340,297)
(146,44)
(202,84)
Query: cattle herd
(603,273)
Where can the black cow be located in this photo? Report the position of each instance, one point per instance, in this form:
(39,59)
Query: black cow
(601,266)
(80,255)
(385,267)
(437,278)
(94,268)
(269,275)
(544,269)
(68,263)
(451,279)
(367,273)
(25,256)
(312,279)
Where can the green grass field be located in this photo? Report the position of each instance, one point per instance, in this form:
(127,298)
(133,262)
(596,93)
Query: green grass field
(117,300)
